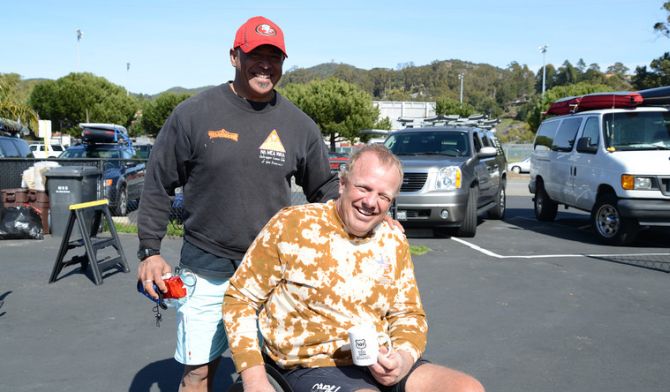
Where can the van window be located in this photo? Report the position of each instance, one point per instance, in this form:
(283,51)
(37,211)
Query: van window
(565,137)
(545,135)
(592,131)
(637,131)
(56,147)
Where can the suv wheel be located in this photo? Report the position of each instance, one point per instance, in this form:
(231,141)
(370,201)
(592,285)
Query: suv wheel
(545,208)
(121,208)
(469,226)
(498,212)
(610,226)
(516,169)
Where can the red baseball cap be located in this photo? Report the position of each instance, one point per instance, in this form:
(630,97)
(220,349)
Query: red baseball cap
(259,31)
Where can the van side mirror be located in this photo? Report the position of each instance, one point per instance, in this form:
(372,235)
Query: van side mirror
(487,152)
(584,145)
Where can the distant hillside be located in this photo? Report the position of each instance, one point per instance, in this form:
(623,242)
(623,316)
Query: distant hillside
(182,90)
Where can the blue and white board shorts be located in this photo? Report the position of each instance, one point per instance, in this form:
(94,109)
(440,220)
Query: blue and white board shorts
(201,337)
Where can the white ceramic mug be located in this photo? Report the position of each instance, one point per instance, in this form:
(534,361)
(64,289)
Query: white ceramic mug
(364,342)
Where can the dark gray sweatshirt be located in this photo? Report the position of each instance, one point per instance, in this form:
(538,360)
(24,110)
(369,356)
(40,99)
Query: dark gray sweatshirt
(235,160)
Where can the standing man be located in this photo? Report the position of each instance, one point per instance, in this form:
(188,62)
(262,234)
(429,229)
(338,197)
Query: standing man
(315,271)
(233,149)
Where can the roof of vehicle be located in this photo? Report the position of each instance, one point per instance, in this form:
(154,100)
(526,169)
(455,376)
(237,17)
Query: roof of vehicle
(441,129)
(610,110)
(102,146)
(109,127)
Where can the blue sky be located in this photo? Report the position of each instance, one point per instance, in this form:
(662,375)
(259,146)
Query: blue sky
(172,43)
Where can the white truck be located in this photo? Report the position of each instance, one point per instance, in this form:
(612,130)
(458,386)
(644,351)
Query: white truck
(612,162)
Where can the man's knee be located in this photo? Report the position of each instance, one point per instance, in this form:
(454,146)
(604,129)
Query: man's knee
(430,376)
(195,374)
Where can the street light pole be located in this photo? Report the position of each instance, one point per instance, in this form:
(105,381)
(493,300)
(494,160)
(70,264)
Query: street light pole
(460,77)
(127,78)
(79,35)
(543,50)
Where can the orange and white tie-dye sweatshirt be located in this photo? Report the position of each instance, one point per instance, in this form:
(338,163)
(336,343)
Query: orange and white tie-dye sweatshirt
(305,282)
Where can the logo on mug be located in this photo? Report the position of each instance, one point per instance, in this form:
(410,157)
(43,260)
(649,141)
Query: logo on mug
(360,343)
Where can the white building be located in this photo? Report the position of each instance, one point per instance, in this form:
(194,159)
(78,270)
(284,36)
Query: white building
(402,113)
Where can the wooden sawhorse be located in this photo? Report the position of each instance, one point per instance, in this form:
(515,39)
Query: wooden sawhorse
(90,241)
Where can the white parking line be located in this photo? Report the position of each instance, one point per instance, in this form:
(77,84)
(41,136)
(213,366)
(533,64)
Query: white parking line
(493,254)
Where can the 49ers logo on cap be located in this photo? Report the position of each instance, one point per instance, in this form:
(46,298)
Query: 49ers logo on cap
(265,29)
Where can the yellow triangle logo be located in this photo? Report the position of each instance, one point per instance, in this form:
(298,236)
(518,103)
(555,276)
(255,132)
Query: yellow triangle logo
(273,142)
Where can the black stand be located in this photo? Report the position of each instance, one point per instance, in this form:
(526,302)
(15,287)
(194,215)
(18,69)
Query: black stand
(90,241)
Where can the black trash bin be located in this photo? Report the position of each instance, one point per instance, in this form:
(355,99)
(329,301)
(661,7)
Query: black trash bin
(70,185)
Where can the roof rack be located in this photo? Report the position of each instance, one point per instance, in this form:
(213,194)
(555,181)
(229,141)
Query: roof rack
(96,133)
(12,128)
(475,120)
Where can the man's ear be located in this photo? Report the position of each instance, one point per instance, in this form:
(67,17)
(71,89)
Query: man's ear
(233,57)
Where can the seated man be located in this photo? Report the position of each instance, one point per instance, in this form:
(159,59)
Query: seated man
(315,271)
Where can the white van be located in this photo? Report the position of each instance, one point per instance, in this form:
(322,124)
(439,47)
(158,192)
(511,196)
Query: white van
(614,163)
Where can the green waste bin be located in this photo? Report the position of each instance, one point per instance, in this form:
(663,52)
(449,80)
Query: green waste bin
(70,185)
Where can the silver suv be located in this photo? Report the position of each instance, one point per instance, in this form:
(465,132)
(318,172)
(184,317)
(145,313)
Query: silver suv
(451,175)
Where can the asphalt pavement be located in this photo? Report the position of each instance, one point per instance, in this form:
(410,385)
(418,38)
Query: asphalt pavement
(523,306)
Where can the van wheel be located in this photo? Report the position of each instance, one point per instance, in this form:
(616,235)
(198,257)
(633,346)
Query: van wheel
(498,212)
(121,208)
(469,226)
(516,169)
(610,226)
(545,208)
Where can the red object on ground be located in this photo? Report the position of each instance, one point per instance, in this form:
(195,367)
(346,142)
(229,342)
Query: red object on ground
(610,100)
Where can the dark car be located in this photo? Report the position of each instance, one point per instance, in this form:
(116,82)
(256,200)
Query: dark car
(13,147)
(451,174)
(123,175)
(337,160)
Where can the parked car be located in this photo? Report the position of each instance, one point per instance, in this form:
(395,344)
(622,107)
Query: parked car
(40,151)
(611,162)
(123,176)
(13,147)
(337,160)
(520,167)
(451,174)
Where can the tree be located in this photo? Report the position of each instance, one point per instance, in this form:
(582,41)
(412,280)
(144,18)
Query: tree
(12,106)
(537,106)
(658,74)
(447,106)
(82,97)
(664,27)
(550,73)
(339,108)
(156,112)
(566,74)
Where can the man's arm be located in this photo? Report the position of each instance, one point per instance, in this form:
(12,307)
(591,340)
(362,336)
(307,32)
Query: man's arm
(165,171)
(250,287)
(392,367)
(407,320)
(318,183)
(255,379)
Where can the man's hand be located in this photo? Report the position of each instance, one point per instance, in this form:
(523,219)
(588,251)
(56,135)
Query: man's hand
(393,222)
(255,379)
(391,367)
(150,271)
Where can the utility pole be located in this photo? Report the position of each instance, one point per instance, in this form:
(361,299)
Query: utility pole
(460,77)
(127,78)
(79,35)
(543,50)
